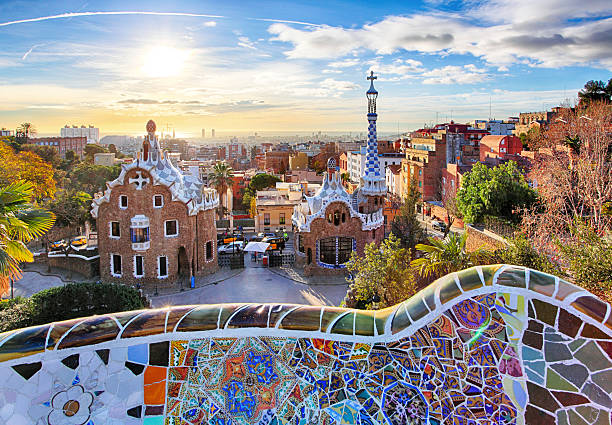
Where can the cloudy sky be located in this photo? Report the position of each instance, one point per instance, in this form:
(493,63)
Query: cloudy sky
(244,66)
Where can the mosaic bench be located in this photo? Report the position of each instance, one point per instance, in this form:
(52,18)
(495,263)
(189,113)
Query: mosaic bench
(496,345)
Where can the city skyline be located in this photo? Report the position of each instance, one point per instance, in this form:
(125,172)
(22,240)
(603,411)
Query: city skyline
(260,67)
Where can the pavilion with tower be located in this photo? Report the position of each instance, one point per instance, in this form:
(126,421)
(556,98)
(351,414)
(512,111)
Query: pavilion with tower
(155,224)
(331,224)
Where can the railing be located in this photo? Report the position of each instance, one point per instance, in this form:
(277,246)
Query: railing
(505,343)
(141,246)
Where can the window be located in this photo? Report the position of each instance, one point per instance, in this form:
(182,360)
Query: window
(420,184)
(345,248)
(420,171)
(123,202)
(115,230)
(162,267)
(374,234)
(300,243)
(267,219)
(281,218)
(327,250)
(138,266)
(209,250)
(343,217)
(336,218)
(158,201)
(139,234)
(116,265)
(335,250)
(171,228)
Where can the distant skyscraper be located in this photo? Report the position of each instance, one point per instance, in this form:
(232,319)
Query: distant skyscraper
(203,133)
(213,133)
(173,135)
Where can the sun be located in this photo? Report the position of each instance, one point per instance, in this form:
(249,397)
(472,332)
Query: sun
(163,62)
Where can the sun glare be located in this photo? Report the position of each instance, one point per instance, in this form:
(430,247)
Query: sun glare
(162,62)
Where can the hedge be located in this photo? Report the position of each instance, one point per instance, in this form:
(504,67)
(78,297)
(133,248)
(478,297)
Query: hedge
(69,302)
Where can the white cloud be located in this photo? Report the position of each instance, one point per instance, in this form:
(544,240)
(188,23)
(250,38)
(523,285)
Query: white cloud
(346,63)
(508,32)
(397,67)
(246,42)
(210,24)
(451,74)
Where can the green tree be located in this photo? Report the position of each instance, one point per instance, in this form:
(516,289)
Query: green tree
(92,178)
(221,178)
(47,153)
(449,255)
(405,224)
(260,181)
(112,148)
(20,222)
(595,91)
(499,192)
(92,149)
(382,277)
(71,208)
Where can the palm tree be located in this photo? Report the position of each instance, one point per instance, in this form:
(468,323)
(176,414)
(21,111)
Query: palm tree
(449,255)
(221,179)
(20,222)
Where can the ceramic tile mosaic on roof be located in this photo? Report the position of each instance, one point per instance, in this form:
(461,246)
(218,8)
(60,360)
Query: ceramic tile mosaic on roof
(489,345)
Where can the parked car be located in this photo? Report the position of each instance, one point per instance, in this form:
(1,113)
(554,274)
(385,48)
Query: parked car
(438,225)
(260,236)
(79,241)
(231,247)
(61,244)
(275,242)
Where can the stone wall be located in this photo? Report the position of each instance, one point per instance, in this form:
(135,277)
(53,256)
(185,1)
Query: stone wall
(87,266)
(488,345)
(482,238)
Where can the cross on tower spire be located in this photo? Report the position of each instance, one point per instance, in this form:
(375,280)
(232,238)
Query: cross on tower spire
(372,76)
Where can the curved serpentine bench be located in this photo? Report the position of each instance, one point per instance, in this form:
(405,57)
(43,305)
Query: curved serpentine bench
(493,344)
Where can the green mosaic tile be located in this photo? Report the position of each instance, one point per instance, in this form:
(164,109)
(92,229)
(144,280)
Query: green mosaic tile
(488,272)
(202,318)
(381,317)
(428,296)
(345,324)
(364,323)
(329,315)
(416,308)
(554,381)
(175,314)
(305,318)
(400,321)
(469,279)
(513,276)
(449,291)
(542,283)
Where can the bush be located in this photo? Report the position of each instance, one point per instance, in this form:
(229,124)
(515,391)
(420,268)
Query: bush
(520,252)
(69,302)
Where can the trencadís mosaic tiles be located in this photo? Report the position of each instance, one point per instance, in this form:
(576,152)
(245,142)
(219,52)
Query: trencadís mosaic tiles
(490,345)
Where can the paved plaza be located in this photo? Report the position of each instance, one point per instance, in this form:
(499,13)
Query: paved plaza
(249,285)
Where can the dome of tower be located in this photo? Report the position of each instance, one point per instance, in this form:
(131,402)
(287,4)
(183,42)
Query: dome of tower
(151,127)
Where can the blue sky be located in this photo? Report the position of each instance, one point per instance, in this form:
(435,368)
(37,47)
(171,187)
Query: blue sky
(292,66)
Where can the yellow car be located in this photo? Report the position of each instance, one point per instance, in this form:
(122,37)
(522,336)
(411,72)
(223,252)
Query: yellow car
(58,244)
(79,241)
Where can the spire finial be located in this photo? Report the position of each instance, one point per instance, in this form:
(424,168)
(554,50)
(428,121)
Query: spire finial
(372,76)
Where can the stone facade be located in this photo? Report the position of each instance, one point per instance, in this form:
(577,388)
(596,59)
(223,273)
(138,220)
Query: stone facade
(155,225)
(325,227)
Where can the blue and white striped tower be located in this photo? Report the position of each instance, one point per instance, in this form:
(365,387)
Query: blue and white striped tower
(373,181)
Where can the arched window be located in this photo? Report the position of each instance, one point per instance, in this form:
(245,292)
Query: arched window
(336,218)
(329,218)
(309,256)
(343,217)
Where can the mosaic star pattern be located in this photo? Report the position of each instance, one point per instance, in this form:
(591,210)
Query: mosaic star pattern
(506,346)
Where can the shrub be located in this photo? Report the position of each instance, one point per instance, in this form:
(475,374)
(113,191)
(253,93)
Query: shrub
(69,302)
